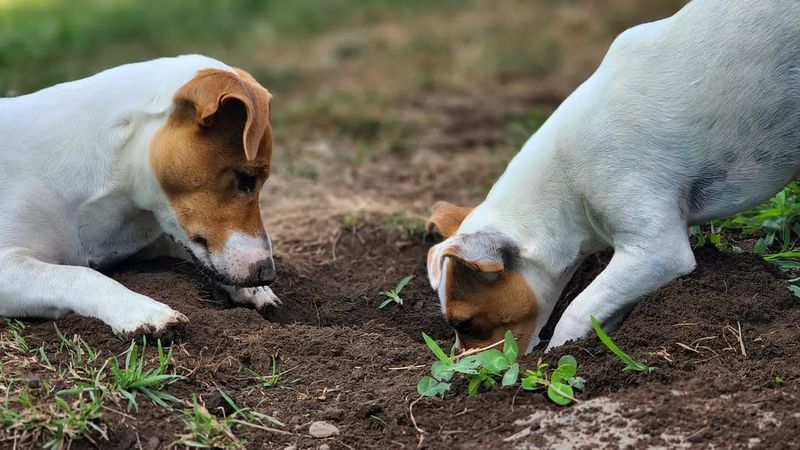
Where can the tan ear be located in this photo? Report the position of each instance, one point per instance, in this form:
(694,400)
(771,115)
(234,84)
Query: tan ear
(481,252)
(210,88)
(446,218)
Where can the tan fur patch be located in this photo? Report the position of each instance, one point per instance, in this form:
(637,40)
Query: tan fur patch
(446,218)
(218,131)
(493,303)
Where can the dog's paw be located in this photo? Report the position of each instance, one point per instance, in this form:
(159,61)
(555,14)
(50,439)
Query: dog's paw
(257,297)
(149,318)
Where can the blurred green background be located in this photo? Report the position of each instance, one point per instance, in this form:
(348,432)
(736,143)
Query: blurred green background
(43,42)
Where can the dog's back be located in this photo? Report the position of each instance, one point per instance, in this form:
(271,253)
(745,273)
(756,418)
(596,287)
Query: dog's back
(707,102)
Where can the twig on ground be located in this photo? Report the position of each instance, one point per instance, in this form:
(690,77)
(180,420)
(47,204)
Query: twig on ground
(420,432)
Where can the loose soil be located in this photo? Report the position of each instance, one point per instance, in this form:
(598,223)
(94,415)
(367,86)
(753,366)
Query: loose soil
(356,366)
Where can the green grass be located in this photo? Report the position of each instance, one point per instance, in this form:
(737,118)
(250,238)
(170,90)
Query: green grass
(206,430)
(47,41)
(133,378)
(23,417)
(631,365)
(268,381)
(37,414)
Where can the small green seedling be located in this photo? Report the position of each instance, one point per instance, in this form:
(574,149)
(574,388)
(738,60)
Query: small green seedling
(778,380)
(561,383)
(268,381)
(630,363)
(393,296)
(481,369)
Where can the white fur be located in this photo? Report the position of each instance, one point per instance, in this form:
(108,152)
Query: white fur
(77,192)
(687,119)
(239,253)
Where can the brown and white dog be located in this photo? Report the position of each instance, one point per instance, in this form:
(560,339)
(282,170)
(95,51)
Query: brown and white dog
(159,157)
(687,119)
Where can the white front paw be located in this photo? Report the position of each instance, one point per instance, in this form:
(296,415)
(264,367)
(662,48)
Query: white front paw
(568,329)
(143,315)
(258,297)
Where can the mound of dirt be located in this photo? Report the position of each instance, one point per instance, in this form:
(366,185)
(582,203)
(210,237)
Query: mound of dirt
(718,338)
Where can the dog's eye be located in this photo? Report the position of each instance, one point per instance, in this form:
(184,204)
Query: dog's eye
(245,182)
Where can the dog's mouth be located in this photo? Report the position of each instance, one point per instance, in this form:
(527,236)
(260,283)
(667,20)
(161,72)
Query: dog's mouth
(211,273)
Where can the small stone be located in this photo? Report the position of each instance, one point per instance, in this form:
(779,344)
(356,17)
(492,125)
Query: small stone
(153,442)
(290,447)
(324,447)
(321,429)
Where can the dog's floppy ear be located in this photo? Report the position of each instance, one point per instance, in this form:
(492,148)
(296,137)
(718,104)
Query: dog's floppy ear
(481,252)
(211,88)
(446,218)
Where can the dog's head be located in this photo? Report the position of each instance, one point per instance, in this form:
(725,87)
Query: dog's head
(482,289)
(211,158)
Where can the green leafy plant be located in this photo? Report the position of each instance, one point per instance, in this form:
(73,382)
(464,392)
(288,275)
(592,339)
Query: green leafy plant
(132,378)
(393,296)
(561,382)
(481,368)
(490,368)
(775,224)
(630,363)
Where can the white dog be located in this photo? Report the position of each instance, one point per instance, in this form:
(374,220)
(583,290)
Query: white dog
(687,119)
(96,170)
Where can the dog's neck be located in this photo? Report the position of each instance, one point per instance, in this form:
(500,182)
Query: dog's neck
(534,204)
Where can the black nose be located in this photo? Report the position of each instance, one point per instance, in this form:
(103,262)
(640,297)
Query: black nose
(263,272)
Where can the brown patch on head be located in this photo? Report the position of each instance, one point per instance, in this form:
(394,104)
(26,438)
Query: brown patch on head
(213,155)
(446,218)
(481,307)
(484,293)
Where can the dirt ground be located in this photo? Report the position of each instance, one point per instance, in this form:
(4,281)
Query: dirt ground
(352,183)
(717,337)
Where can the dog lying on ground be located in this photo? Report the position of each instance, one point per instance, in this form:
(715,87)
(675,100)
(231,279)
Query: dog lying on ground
(687,119)
(164,157)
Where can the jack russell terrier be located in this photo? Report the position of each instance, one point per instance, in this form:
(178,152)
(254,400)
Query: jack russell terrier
(164,157)
(687,119)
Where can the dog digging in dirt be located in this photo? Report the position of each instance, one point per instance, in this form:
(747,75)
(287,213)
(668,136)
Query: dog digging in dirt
(164,157)
(687,119)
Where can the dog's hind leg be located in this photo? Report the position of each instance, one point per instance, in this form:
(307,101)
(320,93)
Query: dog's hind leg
(30,287)
(643,261)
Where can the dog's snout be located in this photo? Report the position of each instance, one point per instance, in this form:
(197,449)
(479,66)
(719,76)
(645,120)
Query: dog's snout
(263,272)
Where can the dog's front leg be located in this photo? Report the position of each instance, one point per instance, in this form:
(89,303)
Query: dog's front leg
(641,264)
(30,287)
